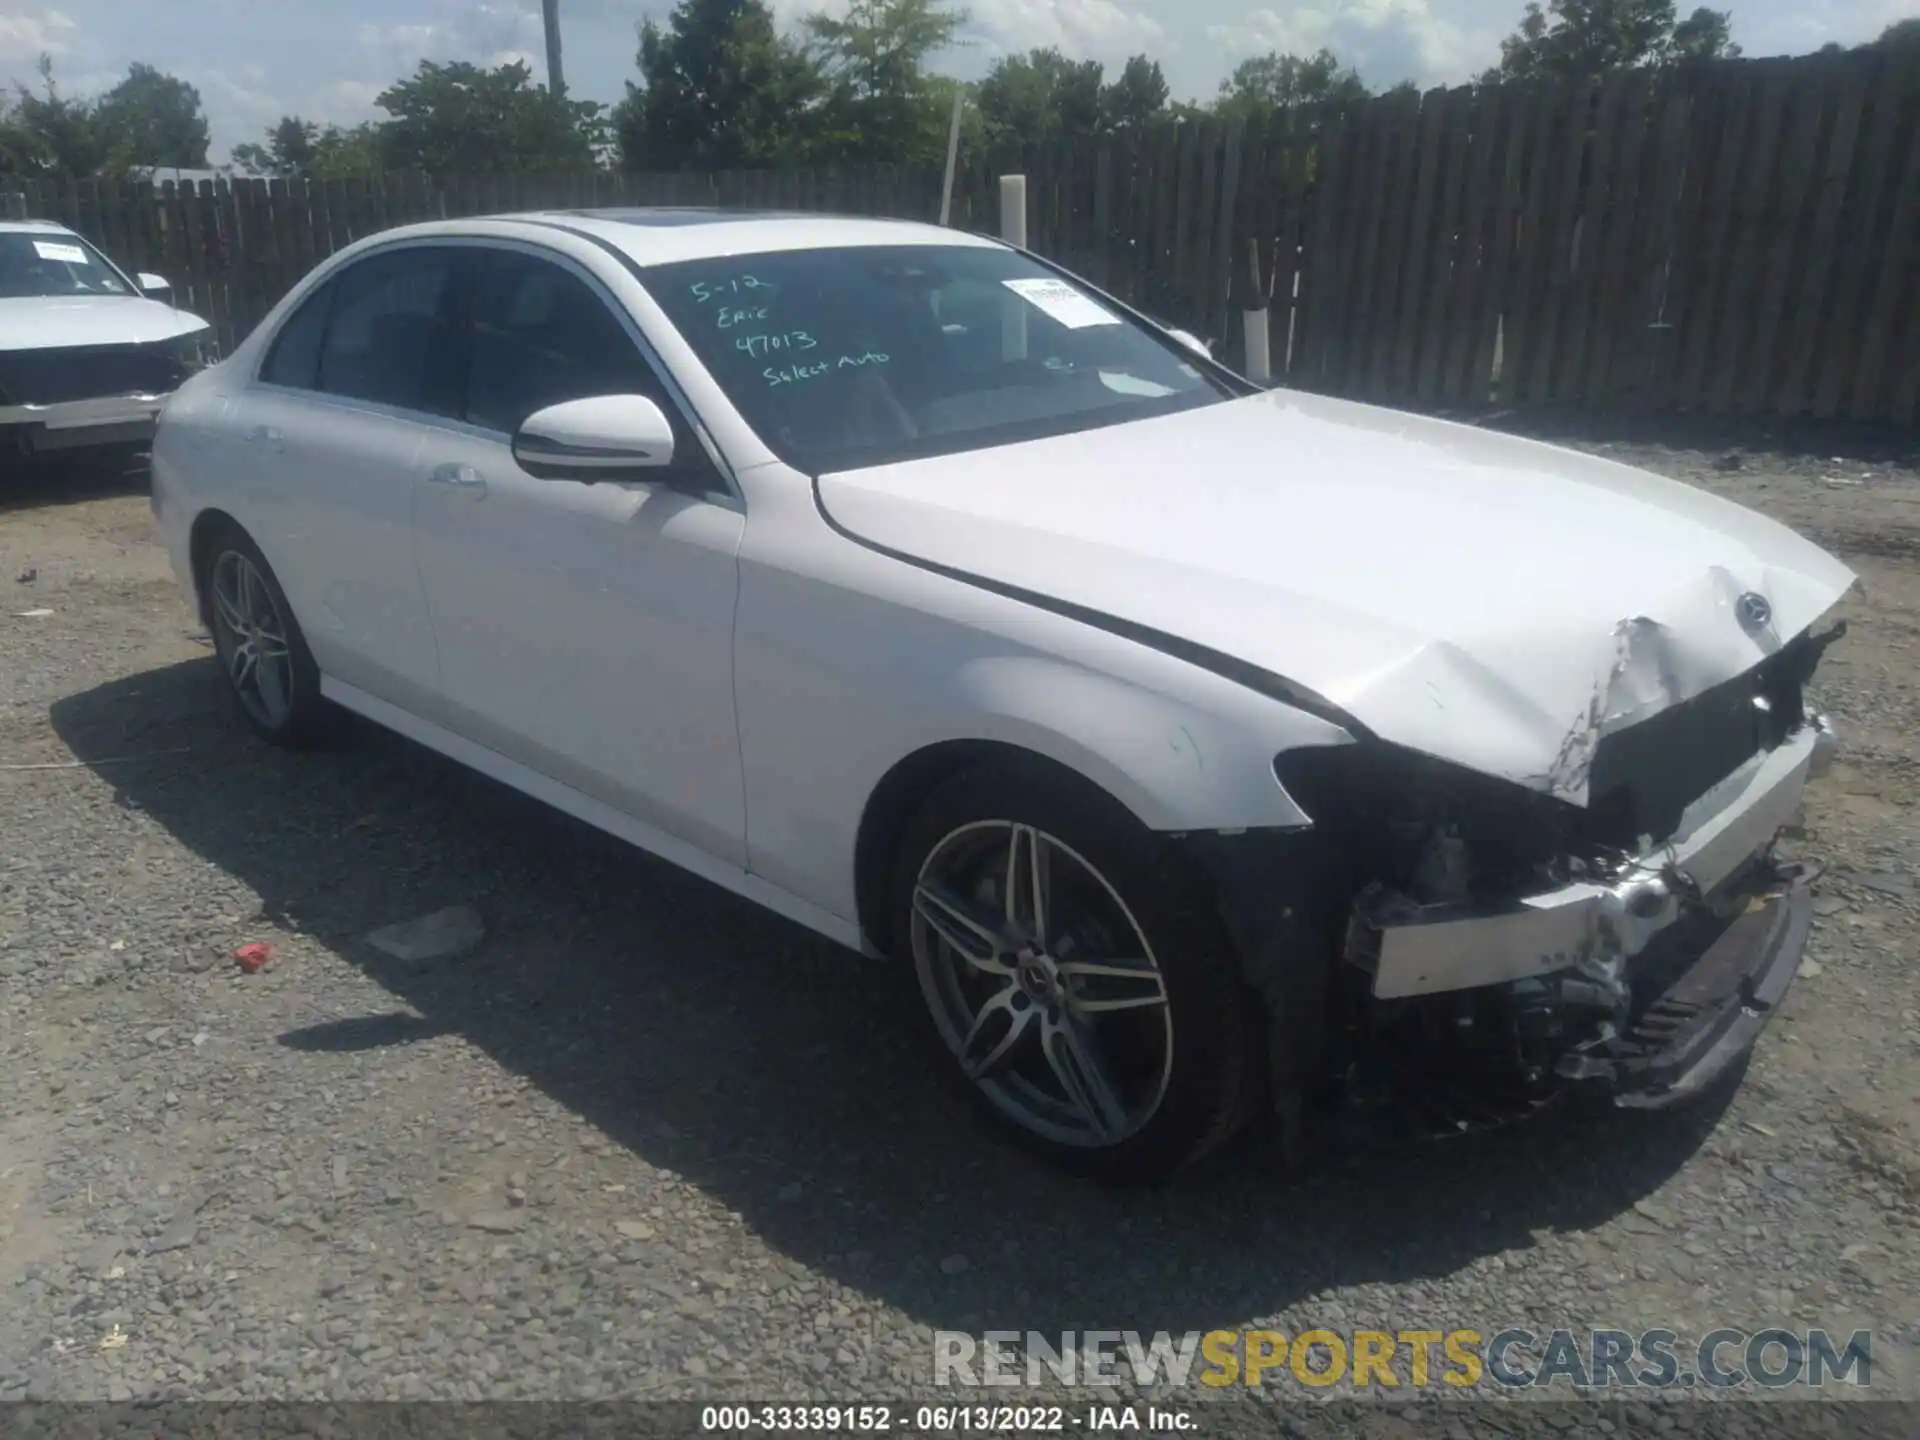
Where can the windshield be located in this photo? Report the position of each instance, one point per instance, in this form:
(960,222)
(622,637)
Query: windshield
(52,263)
(845,358)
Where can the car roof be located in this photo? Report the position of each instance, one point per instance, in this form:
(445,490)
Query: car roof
(666,235)
(33,227)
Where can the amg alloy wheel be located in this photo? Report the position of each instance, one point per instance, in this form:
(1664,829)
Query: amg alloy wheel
(251,637)
(1075,972)
(268,666)
(1042,983)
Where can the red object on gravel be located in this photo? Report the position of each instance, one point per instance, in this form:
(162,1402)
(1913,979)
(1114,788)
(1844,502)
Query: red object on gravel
(253,956)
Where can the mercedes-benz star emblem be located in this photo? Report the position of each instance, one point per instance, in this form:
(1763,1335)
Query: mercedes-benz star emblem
(1753,611)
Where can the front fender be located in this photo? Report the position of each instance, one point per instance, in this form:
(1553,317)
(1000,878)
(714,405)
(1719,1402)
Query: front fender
(858,662)
(1179,762)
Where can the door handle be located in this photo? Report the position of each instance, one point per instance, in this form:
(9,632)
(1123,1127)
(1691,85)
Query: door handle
(270,434)
(459,477)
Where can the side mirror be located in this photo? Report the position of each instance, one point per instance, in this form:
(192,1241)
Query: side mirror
(1192,342)
(604,437)
(154,287)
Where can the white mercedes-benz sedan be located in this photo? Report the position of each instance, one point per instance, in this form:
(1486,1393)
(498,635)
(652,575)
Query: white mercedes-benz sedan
(1205,749)
(88,353)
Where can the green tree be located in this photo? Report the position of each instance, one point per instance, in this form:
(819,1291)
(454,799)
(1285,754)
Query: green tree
(1043,96)
(50,135)
(1038,97)
(296,148)
(1582,39)
(721,89)
(292,147)
(342,153)
(1137,98)
(1703,35)
(1900,35)
(459,119)
(881,104)
(1272,81)
(973,129)
(151,118)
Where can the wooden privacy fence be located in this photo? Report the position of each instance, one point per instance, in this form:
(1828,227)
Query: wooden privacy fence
(1743,238)
(1737,238)
(232,248)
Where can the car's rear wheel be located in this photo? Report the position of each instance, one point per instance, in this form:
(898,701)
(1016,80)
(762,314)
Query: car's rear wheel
(1075,972)
(269,669)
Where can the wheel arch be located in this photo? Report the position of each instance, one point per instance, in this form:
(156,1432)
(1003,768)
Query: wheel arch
(206,525)
(901,791)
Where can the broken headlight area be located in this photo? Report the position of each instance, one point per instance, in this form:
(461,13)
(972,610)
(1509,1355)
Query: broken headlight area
(1438,833)
(1413,838)
(1504,946)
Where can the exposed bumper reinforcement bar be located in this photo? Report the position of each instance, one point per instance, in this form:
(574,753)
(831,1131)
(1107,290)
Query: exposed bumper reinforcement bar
(1432,949)
(101,420)
(1710,1016)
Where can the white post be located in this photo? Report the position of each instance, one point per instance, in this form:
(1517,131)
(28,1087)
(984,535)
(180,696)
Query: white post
(953,151)
(1256,334)
(1013,210)
(1013,230)
(1254,319)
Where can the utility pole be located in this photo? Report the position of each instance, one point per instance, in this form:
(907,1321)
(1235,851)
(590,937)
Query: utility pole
(550,12)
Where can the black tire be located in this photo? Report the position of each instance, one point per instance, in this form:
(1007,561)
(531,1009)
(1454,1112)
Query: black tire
(307,719)
(1213,1077)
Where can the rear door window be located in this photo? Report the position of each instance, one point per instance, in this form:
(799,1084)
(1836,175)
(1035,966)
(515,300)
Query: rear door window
(392,335)
(294,359)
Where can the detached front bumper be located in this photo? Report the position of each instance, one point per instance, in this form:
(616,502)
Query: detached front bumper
(79,424)
(1424,950)
(1656,980)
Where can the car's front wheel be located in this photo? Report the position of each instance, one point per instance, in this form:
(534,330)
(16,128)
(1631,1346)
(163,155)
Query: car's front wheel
(1075,972)
(269,669)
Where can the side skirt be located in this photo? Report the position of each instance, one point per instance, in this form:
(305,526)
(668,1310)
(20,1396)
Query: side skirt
(602,817)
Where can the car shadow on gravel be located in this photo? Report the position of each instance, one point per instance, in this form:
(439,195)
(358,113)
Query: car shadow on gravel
(61,479)
(722,1043)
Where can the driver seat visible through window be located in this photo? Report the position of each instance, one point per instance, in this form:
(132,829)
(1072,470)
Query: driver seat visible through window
(540,336)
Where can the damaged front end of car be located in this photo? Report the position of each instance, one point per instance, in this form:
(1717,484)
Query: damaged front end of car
(1504,947)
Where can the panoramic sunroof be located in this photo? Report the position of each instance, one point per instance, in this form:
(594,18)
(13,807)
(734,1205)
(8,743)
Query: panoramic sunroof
(669,215)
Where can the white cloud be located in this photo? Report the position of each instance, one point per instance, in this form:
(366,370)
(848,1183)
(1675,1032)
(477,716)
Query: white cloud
(27,35)
(1104,30)
(488,34)
(1387,40)
(1083,29)
(245,102)
(1810,25)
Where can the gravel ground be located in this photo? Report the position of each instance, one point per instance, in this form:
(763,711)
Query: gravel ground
(649,1141)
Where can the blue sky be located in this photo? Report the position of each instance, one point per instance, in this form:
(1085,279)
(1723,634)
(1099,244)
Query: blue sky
(255,60)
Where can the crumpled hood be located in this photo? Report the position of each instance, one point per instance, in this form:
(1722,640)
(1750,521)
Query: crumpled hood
(43,322)
(1491,601)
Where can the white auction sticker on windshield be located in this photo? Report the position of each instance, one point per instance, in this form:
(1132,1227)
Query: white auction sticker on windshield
(1062,302)
(66,254)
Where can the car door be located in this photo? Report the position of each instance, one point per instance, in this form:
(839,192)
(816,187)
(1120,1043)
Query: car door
(331,429)
(585,631)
